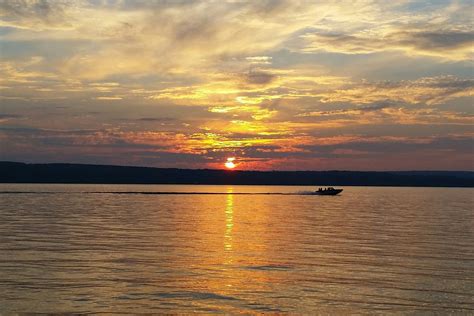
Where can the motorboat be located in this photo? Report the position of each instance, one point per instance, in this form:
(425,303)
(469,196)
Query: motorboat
(327,191)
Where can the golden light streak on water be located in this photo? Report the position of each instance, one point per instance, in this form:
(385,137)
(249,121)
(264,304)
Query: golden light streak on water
(229,222)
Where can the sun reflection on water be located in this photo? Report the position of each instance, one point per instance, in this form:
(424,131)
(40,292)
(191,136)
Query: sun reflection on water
(229,224)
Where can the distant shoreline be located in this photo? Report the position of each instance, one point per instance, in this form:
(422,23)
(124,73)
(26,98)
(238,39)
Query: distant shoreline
(17,172)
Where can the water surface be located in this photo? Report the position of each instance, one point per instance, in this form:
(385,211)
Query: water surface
(397,250)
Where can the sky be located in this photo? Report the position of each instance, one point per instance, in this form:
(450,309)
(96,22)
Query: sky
(279,85)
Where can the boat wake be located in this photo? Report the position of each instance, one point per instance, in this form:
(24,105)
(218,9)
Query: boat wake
(160,193)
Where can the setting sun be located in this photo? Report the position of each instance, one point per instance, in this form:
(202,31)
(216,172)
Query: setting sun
(229,164)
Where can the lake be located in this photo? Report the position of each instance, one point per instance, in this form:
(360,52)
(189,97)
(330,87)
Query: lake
(68,248)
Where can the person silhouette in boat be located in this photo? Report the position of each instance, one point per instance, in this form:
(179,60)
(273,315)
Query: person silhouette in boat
(328,191)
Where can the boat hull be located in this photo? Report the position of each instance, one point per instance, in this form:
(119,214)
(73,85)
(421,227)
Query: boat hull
(328,192)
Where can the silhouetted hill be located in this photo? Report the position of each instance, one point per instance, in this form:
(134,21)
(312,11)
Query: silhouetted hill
(14,172)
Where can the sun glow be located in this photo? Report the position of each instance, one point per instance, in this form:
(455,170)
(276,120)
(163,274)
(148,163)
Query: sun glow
(229,164)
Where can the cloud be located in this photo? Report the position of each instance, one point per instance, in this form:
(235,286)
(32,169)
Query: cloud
(166,37)
(384,145)
(156,119)
(175,38)
(447,41)
(430,91)
(8,117)
(265,60)
(109,98)
(455,45)
(259,77)
(37,14)
(441,30)
(353,111)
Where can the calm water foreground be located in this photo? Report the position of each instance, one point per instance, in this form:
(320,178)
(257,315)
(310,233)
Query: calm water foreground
(385,250)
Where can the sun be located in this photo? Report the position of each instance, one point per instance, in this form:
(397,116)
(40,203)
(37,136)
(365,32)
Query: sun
(229,164)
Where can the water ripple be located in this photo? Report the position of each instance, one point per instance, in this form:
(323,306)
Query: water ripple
(251,250)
